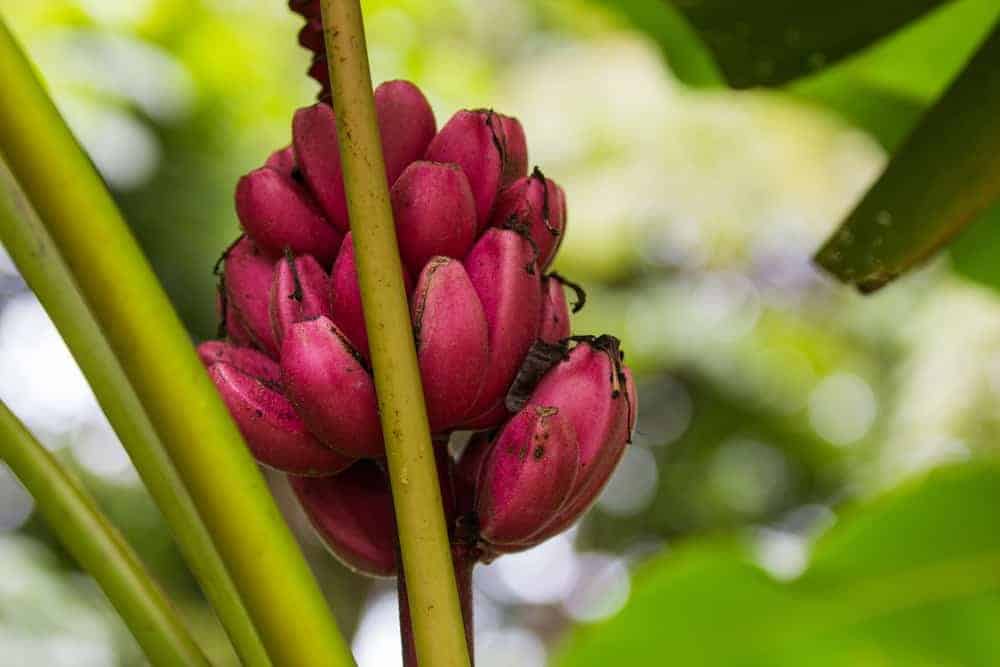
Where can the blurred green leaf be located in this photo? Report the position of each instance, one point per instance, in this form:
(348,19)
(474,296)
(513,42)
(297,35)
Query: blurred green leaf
(885,88)
(945,175)
(974,254)
(911,579)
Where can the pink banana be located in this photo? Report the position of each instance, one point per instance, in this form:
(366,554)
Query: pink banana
(278,213)
(300,291)
(230,326)
(406,124)
(282,161)
(516,153)
(244,359)
(236,332)
(273,432)
(353,515)
(534,203)
(345,297)
(526,476)
(248,271)
(314,136)
(555,325)
(595,392)
(474,140)
(435,213)
(502,270)
(331,389)
(452,345)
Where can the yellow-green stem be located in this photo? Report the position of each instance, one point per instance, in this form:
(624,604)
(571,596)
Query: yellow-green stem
(98,546)
(36,257)
(159,362)
(433,600)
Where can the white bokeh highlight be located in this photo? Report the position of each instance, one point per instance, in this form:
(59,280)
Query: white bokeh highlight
(633,485)
(842,408)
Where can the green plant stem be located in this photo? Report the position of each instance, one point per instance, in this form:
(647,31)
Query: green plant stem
(464,563)
(98,546)
(40,264)
(435,611)
(159,363)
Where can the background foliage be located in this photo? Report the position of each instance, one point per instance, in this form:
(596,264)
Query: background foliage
(777,407)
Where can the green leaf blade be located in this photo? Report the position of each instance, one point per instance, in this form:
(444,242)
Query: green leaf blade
(913,578)
(885,88)
(944,176)
(770,42)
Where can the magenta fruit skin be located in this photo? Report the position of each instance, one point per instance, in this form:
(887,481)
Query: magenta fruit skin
(244,359)
(516,153)
(406,125)
(331,390)
(282,161)
(588,392)
(502,271)
(526,476)
(248,271)
(435,213)
(477,232)
(234,330)
(536,203)
(352,513)
(555,318)
(314,136)
(474,141)
(273,431)
(451,338)
(278,213)
(345,297)
(300,291)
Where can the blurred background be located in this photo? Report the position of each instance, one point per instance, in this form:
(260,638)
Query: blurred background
(770,396)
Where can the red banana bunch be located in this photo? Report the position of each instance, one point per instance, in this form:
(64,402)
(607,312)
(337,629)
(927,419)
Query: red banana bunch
(477,232)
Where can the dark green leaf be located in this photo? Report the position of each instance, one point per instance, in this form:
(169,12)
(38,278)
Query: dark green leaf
(885,88)
(770,42)
(945,175)
(911,579)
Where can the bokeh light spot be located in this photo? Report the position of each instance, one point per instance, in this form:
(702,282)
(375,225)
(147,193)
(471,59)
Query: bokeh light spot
(633,485)
(842,408)
(601,590)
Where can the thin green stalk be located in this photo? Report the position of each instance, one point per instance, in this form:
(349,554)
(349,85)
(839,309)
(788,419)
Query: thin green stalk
(98,546)
(40,264)
(435,611)
(155,353)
